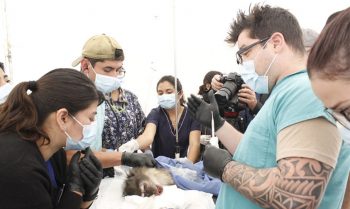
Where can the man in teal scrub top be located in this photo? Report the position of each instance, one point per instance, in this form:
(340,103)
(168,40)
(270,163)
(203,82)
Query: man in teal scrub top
(288,156)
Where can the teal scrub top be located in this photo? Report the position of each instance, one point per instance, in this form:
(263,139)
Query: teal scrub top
(291,101)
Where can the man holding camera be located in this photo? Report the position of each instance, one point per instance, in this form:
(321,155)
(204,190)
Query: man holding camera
(287,155)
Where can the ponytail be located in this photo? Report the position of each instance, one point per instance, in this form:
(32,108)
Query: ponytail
(202,89)
(207,80)
(31,103)
(19,112)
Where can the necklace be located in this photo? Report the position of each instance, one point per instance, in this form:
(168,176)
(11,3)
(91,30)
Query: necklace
(171,127)
(175,120)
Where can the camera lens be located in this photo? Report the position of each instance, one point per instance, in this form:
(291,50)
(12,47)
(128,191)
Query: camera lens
(225,94)
(222,96)
(227,97)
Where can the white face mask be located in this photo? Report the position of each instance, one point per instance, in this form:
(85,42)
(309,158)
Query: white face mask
(89,134)
(259,83)
(107,84)
(4,92)
(167,101)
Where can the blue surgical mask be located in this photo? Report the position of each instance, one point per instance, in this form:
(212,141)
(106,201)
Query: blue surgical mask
(259,83)
(89,135)
(107,84)
(167,101)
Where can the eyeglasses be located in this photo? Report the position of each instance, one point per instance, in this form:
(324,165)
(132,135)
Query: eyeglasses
(342,117)
(121,72)
(243,50)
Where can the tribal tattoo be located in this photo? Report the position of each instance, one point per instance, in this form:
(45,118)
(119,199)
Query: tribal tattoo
(295,183)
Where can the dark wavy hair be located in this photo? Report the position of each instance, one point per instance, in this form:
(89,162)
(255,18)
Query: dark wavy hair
(264,20)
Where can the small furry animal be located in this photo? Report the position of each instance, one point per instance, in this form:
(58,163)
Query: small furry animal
(146,182)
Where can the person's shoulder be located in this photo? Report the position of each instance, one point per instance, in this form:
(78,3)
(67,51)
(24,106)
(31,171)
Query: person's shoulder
(154,115)
(130,97)
(13,140)
(295,101)
(296,86)
(301,79)
(156,110)
(298,77)
(129,93)
(188,115)
(19,155)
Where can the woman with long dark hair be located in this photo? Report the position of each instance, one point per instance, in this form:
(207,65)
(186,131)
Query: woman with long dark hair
(36,122)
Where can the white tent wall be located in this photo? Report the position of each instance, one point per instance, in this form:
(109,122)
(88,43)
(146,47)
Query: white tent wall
(156,35)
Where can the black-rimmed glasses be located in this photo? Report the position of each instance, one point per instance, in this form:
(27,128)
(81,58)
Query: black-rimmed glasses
(243,50)
(341,117)
(121,72)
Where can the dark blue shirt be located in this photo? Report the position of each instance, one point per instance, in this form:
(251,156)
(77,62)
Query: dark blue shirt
(164,143)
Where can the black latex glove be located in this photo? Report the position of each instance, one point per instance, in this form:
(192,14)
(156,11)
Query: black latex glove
(215,160)
(108,172)
(91,173)
(138,159)
(74,180)
(201,110)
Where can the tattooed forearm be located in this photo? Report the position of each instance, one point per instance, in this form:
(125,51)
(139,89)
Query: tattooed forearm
(295,183)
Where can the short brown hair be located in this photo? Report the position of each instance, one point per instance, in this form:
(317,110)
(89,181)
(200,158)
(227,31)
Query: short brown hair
(263,21)
(329,57)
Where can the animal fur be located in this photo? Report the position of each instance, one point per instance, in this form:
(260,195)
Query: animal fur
(146,182)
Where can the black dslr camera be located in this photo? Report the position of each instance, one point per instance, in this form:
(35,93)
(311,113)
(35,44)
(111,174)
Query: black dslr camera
(227,97)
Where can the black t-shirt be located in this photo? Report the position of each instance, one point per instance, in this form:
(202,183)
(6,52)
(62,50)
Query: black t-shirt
(24,179)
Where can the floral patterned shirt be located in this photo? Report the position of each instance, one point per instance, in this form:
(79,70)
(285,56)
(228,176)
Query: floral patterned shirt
(124,123)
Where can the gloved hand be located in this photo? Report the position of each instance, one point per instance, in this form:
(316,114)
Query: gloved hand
(215,160)
(201,110)
(108,172)
(138,159)
(75,182)
(129,146)
(91,173)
